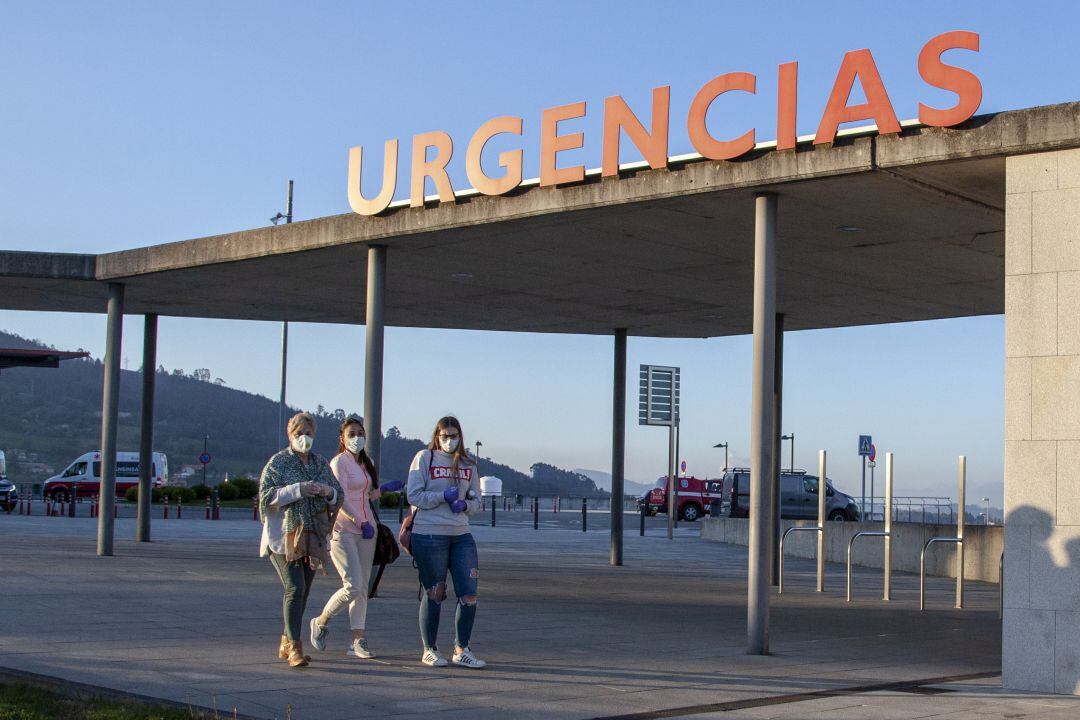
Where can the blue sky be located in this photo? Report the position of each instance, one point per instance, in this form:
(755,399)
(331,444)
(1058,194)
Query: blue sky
(133,123)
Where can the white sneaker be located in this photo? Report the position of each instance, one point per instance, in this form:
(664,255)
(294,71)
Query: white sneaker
(433,658)
(359,649)
(318,634)
(465,658)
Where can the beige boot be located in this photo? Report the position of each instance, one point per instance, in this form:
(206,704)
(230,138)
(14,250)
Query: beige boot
(283,648)
(296,654)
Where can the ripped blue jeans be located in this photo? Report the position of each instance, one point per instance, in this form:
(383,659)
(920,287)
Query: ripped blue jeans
(434,555)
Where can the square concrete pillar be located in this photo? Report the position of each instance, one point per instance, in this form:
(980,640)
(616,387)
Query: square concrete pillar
(1041,632)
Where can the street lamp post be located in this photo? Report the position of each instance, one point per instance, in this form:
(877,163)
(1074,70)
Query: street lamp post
(987,516)
(725,446)
(478,446)
(791,437)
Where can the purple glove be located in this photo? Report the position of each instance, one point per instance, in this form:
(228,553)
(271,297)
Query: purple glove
(392,486)
(458,506)
(450,494)
(367,531)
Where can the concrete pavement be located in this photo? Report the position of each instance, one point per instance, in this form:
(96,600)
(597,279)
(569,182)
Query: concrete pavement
(195,616)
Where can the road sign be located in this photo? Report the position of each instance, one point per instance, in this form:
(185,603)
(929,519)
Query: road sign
(873,452)
(682,466)
(866,446)
(871,464)
(658,401)
(205,458)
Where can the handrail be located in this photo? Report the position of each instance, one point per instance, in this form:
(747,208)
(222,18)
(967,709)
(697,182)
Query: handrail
(1001,586)
(806,528)
(819,529)
(922,569)
(865,533)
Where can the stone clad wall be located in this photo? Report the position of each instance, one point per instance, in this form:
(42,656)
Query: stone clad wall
(1041,632)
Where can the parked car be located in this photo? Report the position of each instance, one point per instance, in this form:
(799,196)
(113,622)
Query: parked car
(83,475)
(696,496)
(798,497)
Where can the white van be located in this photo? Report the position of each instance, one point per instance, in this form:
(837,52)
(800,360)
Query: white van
(83,475)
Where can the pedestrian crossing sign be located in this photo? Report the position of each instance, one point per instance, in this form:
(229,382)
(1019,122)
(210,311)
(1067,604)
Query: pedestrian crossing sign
(865,445)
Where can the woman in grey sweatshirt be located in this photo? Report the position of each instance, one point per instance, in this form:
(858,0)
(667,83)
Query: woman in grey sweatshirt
(444,490)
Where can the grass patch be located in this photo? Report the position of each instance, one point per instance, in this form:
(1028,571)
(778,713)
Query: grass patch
(20,701)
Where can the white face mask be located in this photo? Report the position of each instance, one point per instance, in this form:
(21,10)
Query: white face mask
(302,443)
(355,444)
(448,445)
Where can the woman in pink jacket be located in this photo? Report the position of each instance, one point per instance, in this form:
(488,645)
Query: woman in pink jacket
(352,543)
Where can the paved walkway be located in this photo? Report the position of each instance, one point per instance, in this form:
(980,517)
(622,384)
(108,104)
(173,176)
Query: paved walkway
(195,617)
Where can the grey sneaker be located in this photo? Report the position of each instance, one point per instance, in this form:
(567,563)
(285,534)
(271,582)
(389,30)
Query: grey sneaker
(466,659)
(432,658)
(318,634)
(359,649)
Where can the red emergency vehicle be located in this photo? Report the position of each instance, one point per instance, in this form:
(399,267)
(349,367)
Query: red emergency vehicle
(695,495)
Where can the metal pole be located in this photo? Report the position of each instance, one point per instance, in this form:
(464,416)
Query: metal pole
(146,438)
(823,488)
(109,413)
(284,337)
(777,471)
(205,447)
(676,483)
(671,482)
(888,525)
(762,428)
(373,357)
(862,501)
(961,481)
(618,446)
(872,468)
(792,453)
(536,512)
(284,373)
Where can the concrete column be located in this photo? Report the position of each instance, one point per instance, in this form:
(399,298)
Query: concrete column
(146,436)
(109,412)
(373,356)
(762,427)
(1041,624)
(778,425)
(618,446)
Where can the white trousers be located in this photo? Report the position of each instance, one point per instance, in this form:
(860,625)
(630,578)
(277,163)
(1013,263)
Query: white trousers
(353,556)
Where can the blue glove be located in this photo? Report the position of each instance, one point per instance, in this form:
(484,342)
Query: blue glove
(450,494)
(392,486)
(367,531)
(458,506)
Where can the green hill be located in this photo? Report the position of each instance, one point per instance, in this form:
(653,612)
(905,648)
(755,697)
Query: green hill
(51,416)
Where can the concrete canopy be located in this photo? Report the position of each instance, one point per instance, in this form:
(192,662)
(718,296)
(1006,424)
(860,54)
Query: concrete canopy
(871,230)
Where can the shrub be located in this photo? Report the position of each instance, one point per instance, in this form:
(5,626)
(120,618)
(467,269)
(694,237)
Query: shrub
(132,494)
(228,491)
(201,491)
(175,494)
(389,500)
(246,487)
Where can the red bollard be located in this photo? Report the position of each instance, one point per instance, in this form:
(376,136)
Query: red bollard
(22,502)
(93,506)
(207,507)
(115,510)
(63,506)
(255,508)
(165,508)
(179,507)
(29,503)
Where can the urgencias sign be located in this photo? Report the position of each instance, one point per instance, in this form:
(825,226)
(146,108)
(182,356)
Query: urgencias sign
(653,143)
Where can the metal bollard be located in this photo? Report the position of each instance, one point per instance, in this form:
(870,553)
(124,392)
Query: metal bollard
(22,504)
(493,505)
(255,507)
(536,513)
(179,507)
(74,496)
(165,508)
(115,511)
(63,506)
(584,514)
(217,505)
(642,532)
(207,507)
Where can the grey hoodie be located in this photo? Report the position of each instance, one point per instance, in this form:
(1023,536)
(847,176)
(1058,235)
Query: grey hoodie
(429,476)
